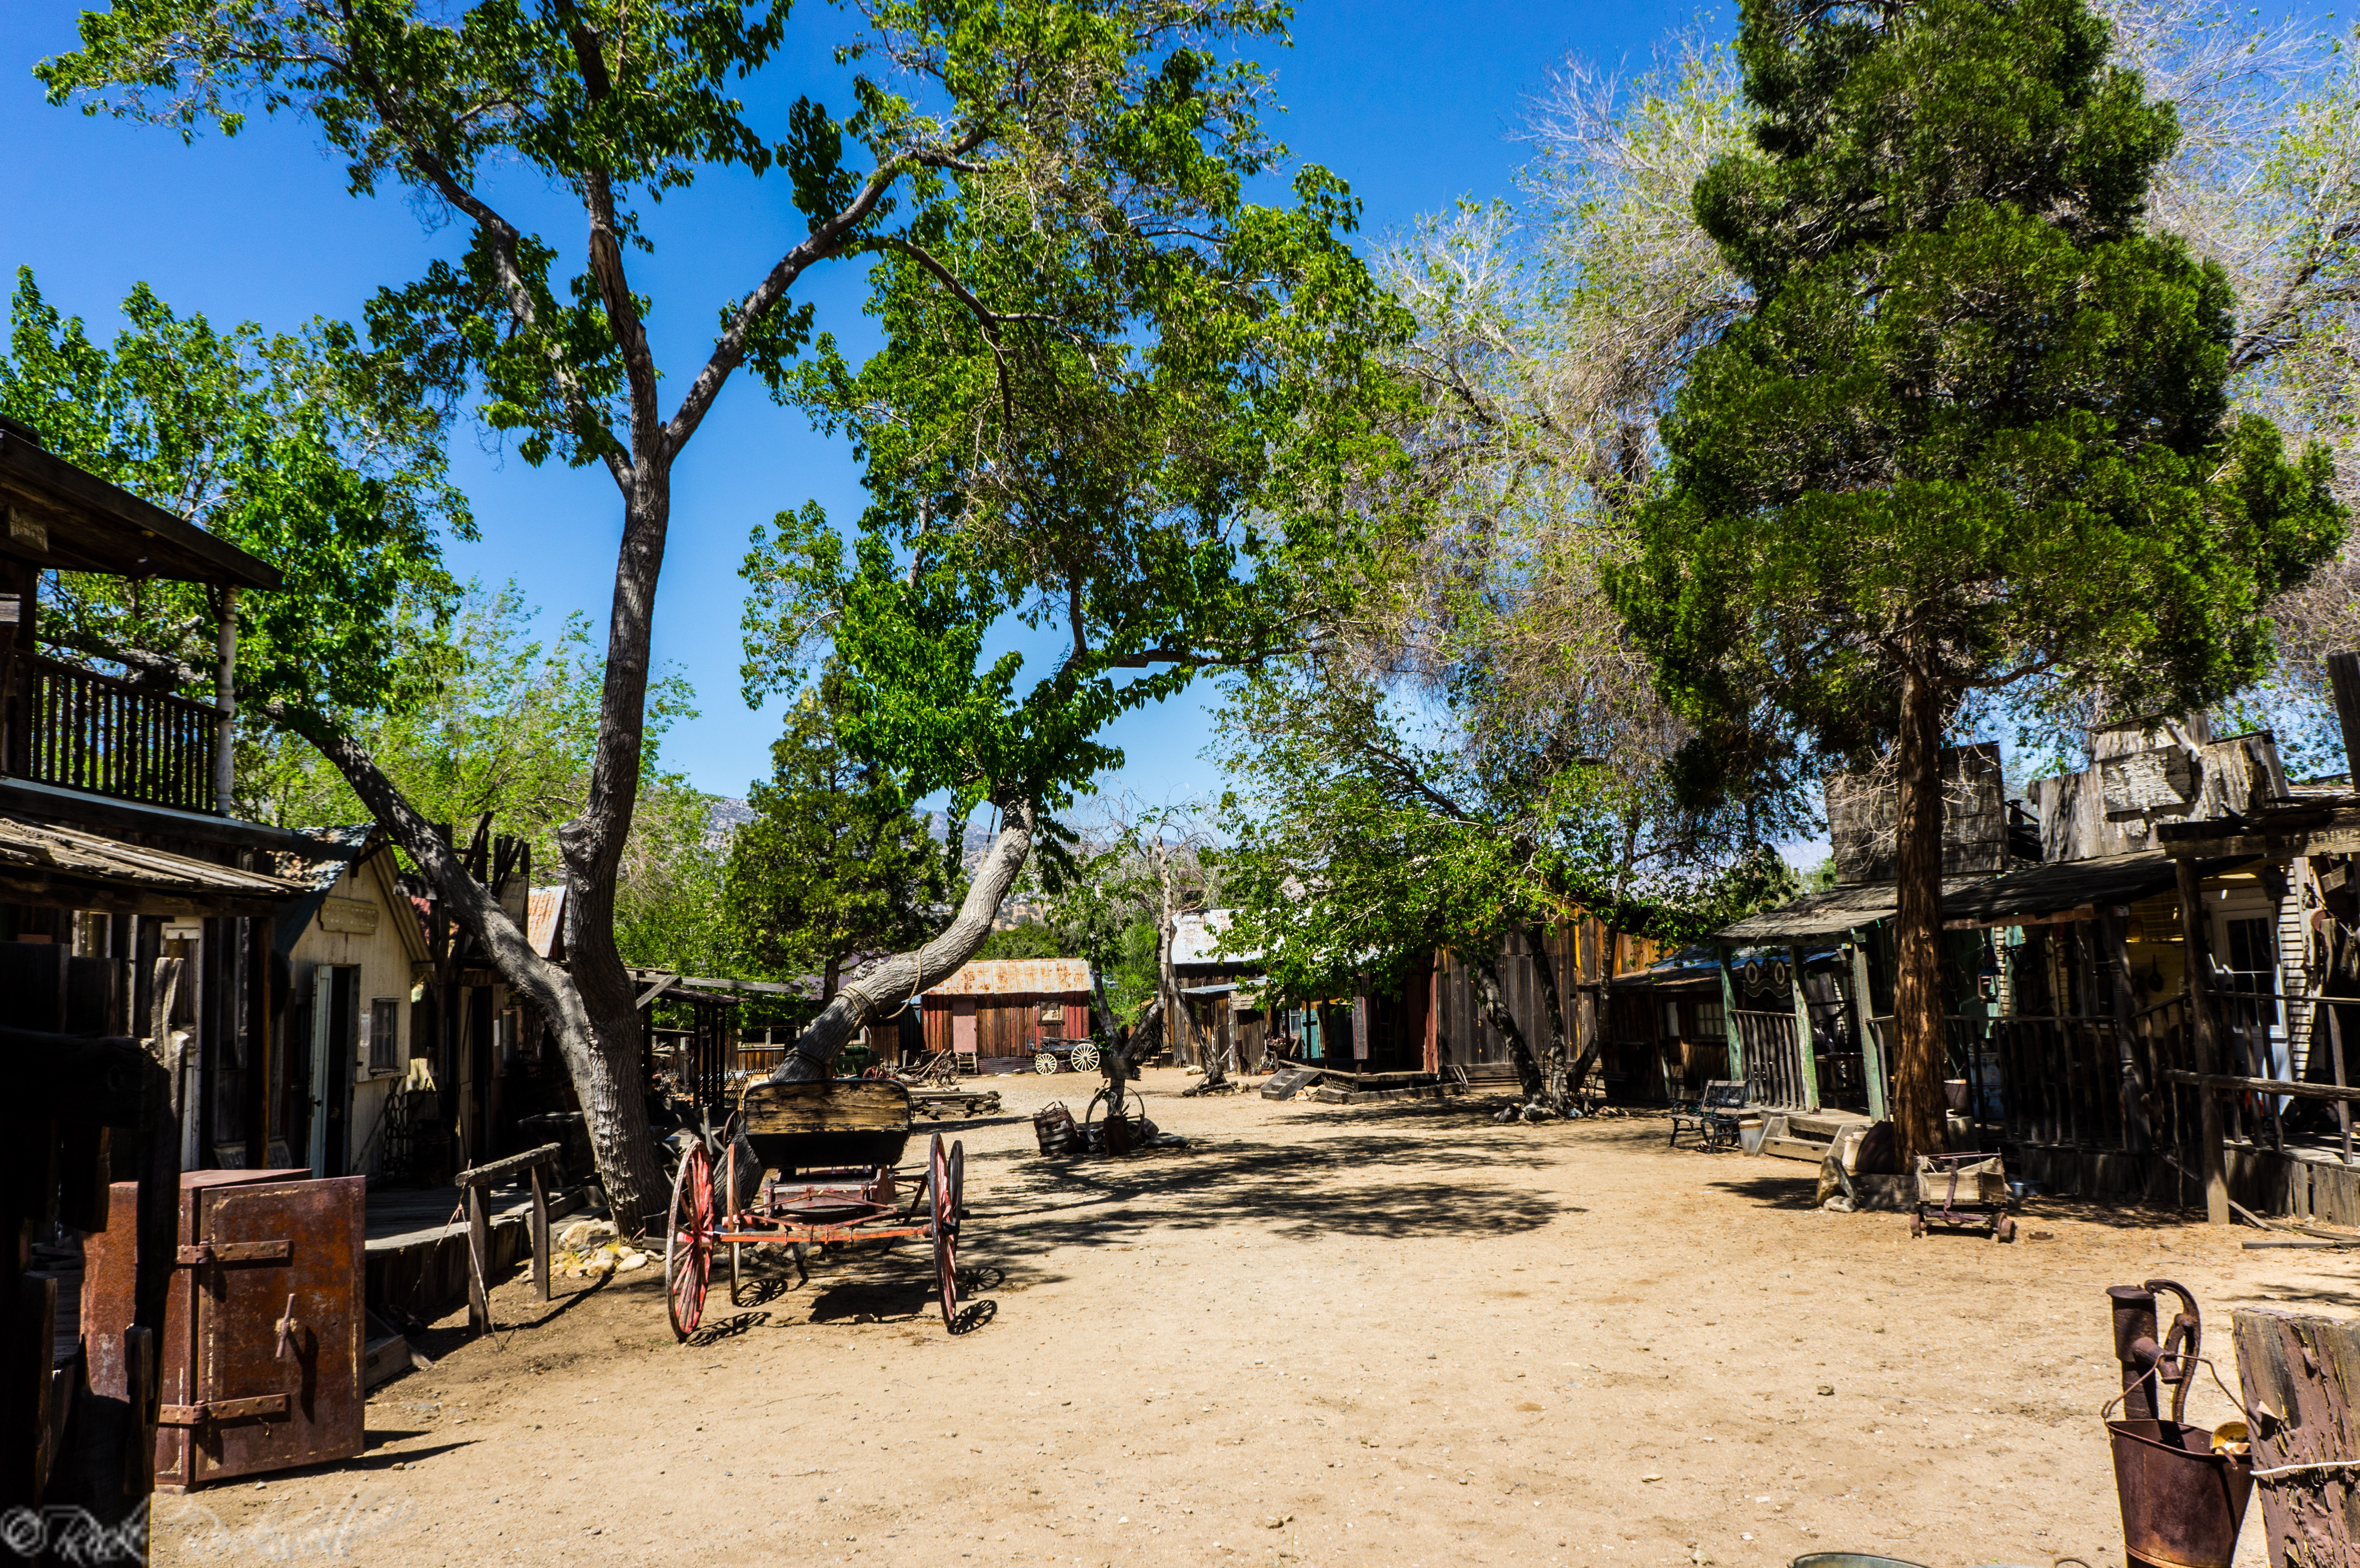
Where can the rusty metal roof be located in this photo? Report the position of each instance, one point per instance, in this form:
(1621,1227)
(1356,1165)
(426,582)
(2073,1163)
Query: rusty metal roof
(544,908)
(1018,977)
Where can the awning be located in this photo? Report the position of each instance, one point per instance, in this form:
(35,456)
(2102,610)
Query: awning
(46,865)
(1206,990)
(2030,895)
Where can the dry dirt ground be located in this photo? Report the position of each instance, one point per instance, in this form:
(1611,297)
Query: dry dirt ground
(1394,1335)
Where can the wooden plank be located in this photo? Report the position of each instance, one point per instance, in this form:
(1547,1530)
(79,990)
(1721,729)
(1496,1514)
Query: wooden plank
(2296,1088)
(494,1172)
(843,1105)
(539,1236)
(2301,1378)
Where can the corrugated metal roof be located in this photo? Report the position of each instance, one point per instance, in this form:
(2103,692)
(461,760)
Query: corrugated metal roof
(544,907)
(1196,939)
(2051,887)
(2057,885)
(1017,977)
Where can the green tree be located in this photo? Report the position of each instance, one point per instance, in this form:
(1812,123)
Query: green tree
(1972,433)
(835,866)
(1133,415)
(1355,850)
(304,449)
(1030,939)
(1047,116)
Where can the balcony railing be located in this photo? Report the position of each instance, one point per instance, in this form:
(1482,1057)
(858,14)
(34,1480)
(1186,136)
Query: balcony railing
(61,723)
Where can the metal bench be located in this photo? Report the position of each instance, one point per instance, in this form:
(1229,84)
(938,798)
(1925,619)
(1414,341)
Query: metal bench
(1713,1117)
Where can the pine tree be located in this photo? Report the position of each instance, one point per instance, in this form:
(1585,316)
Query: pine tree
(1971,440)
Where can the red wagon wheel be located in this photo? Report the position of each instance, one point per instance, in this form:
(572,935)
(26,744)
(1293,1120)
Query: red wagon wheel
(688,1249)
(945,1176)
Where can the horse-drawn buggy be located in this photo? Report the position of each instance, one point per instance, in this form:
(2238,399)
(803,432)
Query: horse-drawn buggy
(800,1165)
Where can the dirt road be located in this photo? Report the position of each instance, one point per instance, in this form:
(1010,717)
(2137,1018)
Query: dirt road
(1322,1335)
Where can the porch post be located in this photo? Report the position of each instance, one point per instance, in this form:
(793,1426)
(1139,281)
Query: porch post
(2212,1164)
(1806,1059)
(1728,1015)
(226,703)
(1872,1050)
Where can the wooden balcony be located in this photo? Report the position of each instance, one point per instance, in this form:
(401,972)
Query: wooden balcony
(62,725)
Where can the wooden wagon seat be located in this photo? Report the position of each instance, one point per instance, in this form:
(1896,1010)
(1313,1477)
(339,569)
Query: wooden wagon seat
(834,1123)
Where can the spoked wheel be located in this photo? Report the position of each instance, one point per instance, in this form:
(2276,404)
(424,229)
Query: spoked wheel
(688,1249)
(1085,1058)
(945,1176)
(1045,1063)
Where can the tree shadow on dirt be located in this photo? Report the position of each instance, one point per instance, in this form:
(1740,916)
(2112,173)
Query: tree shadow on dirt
(1779,1191)
(1304,1190)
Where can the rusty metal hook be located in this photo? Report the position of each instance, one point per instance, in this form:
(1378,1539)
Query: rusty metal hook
(285,1326)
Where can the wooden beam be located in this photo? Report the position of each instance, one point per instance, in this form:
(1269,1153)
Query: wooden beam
(1805,1056)
(494,1172)
(2300,1378)
(2344,684)
(2291,1087)
(1728,1015)
(1872,1048)
(2209,1160)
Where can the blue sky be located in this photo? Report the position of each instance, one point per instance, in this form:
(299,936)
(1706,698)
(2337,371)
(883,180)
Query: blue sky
(1415,104)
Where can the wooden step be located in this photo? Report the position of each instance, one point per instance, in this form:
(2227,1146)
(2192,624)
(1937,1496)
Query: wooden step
(1796,1148)
(1823,1124)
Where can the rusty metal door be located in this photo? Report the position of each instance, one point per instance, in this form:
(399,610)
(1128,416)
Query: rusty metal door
(275,1271)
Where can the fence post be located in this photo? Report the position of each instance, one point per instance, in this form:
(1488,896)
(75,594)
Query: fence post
(540,1234)
(1806,1060)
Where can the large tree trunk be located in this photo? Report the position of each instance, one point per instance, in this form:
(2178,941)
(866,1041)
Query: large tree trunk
(592,843)
(614,1104)
(1920,1111)
(1177,1034)
(1486,974)
(890,983)
(1555,1086)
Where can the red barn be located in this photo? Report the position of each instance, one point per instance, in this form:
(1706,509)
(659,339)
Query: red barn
(998,1010)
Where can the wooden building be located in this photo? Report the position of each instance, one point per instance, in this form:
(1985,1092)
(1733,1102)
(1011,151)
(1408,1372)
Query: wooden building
(995,1012)
(357,967)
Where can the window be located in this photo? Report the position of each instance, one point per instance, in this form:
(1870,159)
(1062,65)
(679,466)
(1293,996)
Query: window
(1053,1013)
(383,1039)
(1710,1025)
(1672,1020)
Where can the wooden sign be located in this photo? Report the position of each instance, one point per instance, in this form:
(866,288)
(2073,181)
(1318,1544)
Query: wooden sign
(355,917)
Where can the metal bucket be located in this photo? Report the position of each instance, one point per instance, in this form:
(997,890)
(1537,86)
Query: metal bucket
(2182,1504)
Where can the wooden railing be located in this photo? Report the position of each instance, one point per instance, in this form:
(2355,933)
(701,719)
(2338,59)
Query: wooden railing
(61,723)
(1773,1062)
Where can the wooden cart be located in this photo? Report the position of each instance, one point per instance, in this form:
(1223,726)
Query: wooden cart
(1968,1191)
(824,1160)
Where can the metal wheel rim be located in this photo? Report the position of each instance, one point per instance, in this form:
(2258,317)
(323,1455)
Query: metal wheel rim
(942,1182)
(688,1246)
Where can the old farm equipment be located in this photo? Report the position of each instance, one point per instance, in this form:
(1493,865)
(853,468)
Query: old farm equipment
(2183,1488)
(801,1165)
(1965,1190)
